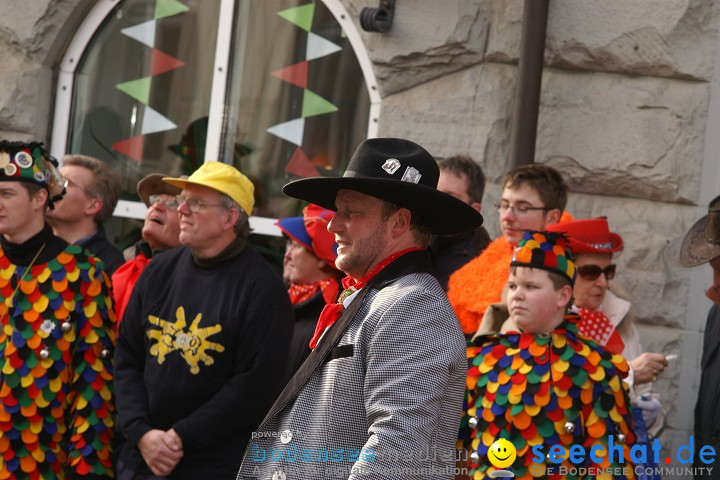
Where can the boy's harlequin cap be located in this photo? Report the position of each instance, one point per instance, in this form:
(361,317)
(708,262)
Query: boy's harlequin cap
(29,162)
(310,231)
(546,250)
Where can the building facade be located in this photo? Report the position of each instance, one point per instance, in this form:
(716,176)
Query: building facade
(629,111)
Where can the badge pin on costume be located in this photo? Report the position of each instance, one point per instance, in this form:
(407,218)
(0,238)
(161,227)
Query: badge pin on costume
(391,165)
(47,326)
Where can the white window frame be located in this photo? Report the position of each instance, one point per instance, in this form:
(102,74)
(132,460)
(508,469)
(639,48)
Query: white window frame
(218,94)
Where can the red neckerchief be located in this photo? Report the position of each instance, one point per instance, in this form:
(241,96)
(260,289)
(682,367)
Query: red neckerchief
(332,311)
(597,325)
(299,292)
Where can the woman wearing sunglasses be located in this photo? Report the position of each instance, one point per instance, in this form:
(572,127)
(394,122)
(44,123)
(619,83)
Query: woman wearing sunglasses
(607,316)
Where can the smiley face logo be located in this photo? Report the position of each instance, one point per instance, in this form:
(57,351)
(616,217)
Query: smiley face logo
(502,453)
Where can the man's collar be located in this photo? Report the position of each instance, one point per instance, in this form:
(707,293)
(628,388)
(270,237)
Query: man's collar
(232,250)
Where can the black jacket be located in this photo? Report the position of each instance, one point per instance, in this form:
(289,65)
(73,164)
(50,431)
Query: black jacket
(707,408)
(450,253)
(100,247)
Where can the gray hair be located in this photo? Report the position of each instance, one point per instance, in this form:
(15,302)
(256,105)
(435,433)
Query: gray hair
(242,226)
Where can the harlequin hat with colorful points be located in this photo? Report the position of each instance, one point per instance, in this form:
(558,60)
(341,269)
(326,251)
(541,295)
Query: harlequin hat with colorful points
(310,231)
(29,162)
(547,251)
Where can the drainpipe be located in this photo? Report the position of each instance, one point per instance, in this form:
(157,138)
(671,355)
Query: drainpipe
(529,82)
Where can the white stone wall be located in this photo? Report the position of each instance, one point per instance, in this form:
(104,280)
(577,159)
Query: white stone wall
(33,35)
(624,114)
(626,97)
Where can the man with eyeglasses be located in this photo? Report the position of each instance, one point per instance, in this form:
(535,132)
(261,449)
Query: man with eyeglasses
(202,347)
(160,232)
(533,197)
(93,190)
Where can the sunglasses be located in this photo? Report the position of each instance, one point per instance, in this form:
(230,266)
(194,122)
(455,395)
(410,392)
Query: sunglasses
(592,272)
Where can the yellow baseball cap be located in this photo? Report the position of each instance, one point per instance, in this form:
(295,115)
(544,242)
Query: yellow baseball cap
(225,179)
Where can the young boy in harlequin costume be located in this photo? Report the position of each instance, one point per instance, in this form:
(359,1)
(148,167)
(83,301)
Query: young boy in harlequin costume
(538,383)
(56,337)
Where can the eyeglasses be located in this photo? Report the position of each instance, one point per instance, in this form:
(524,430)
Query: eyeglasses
(194,204)
(171,203)
(521,209)
(69,182)
(592,272)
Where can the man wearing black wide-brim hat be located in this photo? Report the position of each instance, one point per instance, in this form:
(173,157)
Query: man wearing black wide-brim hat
(702,245)
(383,386)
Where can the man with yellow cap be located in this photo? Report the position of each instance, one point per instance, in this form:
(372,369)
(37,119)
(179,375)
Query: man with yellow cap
(203,344)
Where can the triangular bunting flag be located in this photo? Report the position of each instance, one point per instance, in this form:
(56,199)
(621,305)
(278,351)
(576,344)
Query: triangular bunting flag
(291,131)
(138,89)
(301,16)
(296,74)
(318,47)
(132,147)
(301,166)
(314,104)
(154,122)
(168,8)
(162,62)
(143,33)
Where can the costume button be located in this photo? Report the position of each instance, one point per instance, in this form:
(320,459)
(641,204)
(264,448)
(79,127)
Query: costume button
(473,422)
(569,427)
(44,353)
(474,457)
(66,326)
(621,438)
(104,353)
(285,436)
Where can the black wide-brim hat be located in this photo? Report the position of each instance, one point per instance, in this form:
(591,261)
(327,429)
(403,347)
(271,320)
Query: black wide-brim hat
(399,171)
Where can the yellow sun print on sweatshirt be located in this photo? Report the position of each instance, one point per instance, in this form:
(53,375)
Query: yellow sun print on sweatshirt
(192,343)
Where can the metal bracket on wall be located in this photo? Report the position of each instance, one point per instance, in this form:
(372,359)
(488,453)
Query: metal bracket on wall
(378,19)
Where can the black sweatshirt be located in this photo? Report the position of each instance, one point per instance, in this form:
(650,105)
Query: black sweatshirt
(202,350)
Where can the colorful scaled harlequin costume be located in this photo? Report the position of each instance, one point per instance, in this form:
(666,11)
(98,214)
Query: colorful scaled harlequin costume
(536,389)
(551,388)
(56,348)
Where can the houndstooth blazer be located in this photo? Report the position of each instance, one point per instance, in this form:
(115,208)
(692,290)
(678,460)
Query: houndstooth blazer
(381,395)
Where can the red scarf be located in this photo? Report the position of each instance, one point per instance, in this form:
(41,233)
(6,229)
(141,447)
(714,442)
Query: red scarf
(299,292)
(597,325)
(332,311)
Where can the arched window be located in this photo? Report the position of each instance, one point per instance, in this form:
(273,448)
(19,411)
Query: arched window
(274,87)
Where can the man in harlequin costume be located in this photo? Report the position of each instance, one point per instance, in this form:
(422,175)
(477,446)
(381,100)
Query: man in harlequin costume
(202,347)
(56,343)
(533,196)
(537,383)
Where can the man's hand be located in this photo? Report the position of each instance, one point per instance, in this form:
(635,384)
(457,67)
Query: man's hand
(161,450)
(173,440)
